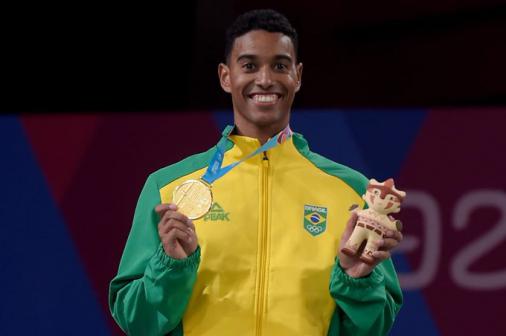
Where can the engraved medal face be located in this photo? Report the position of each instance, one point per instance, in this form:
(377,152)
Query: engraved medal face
(193,198)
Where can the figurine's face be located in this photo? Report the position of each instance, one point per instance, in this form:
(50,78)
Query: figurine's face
(388,204)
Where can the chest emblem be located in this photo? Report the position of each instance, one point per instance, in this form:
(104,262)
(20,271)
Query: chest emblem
(315,219)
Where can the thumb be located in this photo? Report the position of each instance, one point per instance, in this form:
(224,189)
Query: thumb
(161,209)
(349,227)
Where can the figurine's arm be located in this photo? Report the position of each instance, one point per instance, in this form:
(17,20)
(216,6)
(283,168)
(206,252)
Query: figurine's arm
(354,208)
(397,223)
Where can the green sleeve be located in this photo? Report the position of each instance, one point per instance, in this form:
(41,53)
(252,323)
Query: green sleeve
(150,293)
(365,306)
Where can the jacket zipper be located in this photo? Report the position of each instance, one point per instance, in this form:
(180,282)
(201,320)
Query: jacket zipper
(263,244)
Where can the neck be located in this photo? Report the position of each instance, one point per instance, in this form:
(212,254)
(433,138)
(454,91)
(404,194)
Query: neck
(261,133)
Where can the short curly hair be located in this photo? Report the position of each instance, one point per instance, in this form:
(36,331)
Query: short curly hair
(261,19)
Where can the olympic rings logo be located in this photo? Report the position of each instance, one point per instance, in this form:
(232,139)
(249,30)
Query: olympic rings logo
(315,228)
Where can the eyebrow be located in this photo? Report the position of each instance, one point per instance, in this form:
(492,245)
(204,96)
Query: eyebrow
(254,57)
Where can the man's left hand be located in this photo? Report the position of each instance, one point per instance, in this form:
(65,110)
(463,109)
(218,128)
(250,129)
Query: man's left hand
(356,268)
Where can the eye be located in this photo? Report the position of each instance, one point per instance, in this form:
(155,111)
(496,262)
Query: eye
(280,66)
(376,192)
(248,66)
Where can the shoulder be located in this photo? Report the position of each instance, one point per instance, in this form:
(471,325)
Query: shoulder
(353,178)
(166,175)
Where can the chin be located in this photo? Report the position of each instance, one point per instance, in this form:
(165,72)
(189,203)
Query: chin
(265,120)
(268,115)
(263,117)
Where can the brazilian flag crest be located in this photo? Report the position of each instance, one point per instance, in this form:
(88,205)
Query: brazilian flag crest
(315,219)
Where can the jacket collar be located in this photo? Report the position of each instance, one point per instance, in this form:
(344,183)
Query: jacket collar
(247,145)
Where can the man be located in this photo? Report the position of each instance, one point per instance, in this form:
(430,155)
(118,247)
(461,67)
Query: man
(263,260)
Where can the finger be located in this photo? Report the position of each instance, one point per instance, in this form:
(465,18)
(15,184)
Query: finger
(394,234)
(172,217)
(182,235)
(191,243)
(169,239)
(170,214)
(192,233)
(172,223)
(349,227)
(160,209)
(399,236)
(381,255)
(172,245)
(388,244)
(190,224)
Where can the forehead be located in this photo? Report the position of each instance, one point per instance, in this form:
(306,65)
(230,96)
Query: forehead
(262,43)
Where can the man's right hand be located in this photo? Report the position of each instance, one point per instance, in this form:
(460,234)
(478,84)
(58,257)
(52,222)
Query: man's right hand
(176,231)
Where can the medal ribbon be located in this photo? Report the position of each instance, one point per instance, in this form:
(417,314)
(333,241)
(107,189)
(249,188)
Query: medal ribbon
(215,169)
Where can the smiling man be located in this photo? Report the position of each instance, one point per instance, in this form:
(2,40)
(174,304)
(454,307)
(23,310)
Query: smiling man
(262,75)
(257,256)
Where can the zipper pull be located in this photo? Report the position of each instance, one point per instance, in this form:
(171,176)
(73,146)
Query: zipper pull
(265,160)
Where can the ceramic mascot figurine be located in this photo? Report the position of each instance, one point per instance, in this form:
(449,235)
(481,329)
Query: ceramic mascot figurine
(372,223)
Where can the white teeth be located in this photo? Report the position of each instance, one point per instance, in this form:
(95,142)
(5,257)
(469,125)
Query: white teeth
(265,98)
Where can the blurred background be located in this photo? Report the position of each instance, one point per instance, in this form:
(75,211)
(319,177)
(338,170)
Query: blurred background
(96,98)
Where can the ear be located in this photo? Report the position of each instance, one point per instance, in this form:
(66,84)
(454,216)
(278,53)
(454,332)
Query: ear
(299,77)
(224,75)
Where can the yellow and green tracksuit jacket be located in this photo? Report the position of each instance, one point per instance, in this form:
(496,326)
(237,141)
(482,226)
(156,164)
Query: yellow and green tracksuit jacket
(266,262)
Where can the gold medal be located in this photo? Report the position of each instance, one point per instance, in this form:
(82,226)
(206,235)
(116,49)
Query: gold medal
(193,198)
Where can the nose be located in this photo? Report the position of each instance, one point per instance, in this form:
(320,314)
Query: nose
(264,77)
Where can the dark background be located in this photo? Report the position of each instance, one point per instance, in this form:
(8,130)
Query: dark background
(429,75)
(355,54)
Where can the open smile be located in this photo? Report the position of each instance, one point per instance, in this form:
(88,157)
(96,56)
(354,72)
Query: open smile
(265,98)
